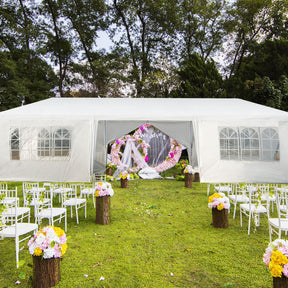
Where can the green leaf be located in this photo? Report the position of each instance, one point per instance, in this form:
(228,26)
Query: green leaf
(22,275)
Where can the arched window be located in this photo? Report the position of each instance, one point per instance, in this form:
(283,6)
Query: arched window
(62,142)
(249,144)
(15,144)
(270,145)
(44,143)
(229,144)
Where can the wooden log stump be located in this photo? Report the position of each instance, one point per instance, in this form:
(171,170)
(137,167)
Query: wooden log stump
(46,272)
(188,180)
(124,183)
(280,282)
(196,177)
(109,171)
(220,218)
(103,210)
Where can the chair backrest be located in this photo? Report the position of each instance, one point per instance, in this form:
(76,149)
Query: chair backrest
(282,203)
(99,177)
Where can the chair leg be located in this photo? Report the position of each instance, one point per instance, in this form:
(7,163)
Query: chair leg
(76,214)
(234,214)
(85,211)
(17,250)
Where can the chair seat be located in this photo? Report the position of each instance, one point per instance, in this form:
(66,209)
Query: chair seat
(255,209)
(238,198)
(89,191)
(74,201)
(276,223)
(10,200)
(51,212)
(10,212)
(34,202)
(22,229)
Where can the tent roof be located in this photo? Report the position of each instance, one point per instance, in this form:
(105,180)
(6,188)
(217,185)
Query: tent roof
(157,109)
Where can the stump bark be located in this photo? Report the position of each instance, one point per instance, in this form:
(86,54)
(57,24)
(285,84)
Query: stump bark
(220,218)
(46,272)
(188,180)
(280,282)
(103,210)
(124,183)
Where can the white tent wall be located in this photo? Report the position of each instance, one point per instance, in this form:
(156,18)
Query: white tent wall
(213,169)
(94,122)
(30,167)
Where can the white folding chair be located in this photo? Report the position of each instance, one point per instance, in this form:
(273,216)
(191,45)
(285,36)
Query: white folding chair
(87,190)
(31,192)
(254,208)
(279,223)
(53,214)
(70,199)
(99,177)
(237,195)
(19,231)
(11,201)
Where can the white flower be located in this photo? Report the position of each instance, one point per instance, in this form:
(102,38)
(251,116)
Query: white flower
(48,253)
(101,278)
(40,238)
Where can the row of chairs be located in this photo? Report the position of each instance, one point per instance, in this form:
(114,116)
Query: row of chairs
(258,199)
(15,220)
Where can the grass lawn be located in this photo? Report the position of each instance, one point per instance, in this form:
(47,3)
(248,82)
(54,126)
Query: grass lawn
(160,236)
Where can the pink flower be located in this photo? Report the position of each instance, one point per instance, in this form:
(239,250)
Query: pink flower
(141,128)
(146,158)
(283,250)
(117,141)
(266,258)
(57,252)
(171,154)
(285,270)
(63,239)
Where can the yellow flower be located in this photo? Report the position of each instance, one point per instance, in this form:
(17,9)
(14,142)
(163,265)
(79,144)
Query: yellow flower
(100,183)
(278,258)
(37,252)
(220,207)
(276,270)
(58,231)
(97,193)
(63,248)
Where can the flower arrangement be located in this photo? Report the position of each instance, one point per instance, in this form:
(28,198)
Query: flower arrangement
(182,164)
(188,169)
(219,201)
(111,165)
(133,176)
(124,175)
(103,189)
(49,242)
(276,258)
(110,178)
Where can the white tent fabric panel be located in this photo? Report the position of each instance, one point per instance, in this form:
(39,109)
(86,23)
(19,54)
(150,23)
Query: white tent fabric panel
(213,169)
(32,167)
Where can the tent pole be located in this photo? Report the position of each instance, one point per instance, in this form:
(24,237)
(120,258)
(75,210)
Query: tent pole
(191,144)
(105,146)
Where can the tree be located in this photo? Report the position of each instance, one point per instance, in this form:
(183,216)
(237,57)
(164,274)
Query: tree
(199,79)
(58,43)
(201,27)
(86,18)
(145,26)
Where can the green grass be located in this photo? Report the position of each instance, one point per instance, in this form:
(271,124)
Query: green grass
(160,236)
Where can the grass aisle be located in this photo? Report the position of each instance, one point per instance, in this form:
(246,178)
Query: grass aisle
(160,236)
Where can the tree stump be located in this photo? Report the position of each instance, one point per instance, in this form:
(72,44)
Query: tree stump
(220,218)
(109,171)
(188,180)
(280,282)
(196,177)
(46,272)
(124,183)
(103,210)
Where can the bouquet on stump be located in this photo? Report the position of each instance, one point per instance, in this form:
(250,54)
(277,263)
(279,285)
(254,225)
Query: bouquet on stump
(276,260)
(103,192)
(188,172)
(124,176)
(220,205)
(46,247)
